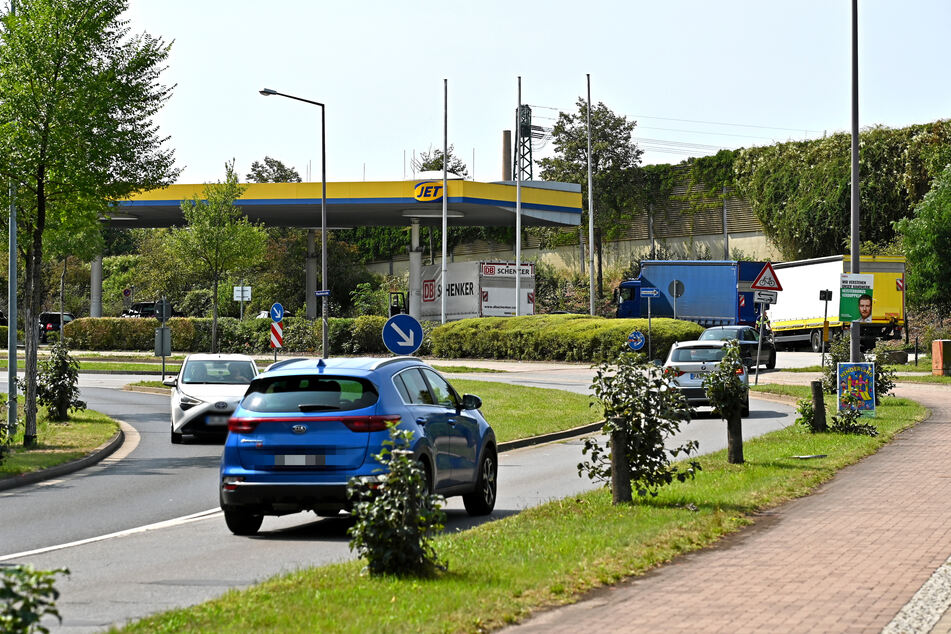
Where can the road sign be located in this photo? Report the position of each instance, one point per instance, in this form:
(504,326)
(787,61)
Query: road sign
(649,291)
(242,293)
(402,334)
(323,293)
(676,288)
(766,280)
(765,297)
(636,340)
(825,296)
(277,312)
(163,310)
(126,292)
(277,334)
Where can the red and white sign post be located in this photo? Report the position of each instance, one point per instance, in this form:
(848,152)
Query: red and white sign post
(277,336)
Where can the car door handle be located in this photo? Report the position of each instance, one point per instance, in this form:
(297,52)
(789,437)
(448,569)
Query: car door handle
(421,420)
(451,421)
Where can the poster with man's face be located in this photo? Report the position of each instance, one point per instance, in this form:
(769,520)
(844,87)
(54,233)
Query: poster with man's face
(855,297)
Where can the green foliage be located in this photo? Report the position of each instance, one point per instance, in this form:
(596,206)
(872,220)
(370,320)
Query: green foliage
(849,420)
(807,415)
(640,400)
(800,190)
(367,300)
(395,516)
(26,596)
(926,236)
(553,337)
(57,386)
(431,160)
(727,392)
(272,171)
(7,431)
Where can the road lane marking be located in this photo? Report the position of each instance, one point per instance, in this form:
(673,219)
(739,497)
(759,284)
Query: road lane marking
(178,521)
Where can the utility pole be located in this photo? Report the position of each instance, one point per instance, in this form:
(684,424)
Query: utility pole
(855,348)
(12,307)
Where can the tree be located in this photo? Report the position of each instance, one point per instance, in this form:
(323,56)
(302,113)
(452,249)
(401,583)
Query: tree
(926,237)
(431,161)
(729,397)
(217,237)
(272,171)
(642,409)
(77,99)
(614,157)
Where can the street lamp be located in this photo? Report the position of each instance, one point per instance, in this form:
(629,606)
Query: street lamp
(267,92)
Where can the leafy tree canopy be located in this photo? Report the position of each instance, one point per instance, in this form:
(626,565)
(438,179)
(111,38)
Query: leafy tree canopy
(431,160)
(272,170)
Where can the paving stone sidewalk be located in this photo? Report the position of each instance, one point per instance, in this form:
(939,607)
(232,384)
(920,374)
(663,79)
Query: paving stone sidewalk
(851,557)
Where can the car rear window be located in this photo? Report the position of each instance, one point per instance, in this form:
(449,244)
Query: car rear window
(309,393)
(718,335)
(697,355)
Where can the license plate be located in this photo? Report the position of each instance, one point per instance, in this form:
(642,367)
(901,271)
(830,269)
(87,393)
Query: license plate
(310,460)
(218,420)
(696,376)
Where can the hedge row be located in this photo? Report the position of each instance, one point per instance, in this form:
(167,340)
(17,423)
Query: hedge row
(554,337)
(360,335)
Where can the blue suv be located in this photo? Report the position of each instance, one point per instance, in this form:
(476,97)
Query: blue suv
(306,427)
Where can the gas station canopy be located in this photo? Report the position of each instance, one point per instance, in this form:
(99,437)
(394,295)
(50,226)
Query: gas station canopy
(364,204)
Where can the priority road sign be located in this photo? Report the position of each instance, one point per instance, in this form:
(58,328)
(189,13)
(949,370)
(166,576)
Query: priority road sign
(402,334)
(766,280)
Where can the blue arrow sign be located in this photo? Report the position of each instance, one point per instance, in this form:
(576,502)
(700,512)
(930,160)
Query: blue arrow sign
(277,312)
(635,340)
(649,291)
(402,334)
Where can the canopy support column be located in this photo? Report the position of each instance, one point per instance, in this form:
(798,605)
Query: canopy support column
(415,271)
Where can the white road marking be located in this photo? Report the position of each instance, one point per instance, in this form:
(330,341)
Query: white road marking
(178,521)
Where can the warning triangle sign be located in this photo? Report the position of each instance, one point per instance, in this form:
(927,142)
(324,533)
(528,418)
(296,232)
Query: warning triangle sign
(767,280)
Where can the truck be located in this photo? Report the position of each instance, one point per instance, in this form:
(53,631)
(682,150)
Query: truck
(476,289)
(708,292)
(799,314)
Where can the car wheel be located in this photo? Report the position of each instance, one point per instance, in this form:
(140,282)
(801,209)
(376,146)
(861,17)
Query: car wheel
(771,363)
(815,338)
(427,476)
(745,412)
(482,500)
(176,437)
(241,522)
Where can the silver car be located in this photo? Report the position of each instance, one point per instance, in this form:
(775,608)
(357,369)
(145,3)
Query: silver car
(206,392)
(691,361)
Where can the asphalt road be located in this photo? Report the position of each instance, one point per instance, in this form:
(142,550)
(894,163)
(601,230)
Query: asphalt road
(141,533)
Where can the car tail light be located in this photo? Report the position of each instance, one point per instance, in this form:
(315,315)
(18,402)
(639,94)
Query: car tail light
(49,326)
(230,483)
(369,423)
(242,425)
(740,371)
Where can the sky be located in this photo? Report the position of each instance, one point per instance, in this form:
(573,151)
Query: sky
(695,75)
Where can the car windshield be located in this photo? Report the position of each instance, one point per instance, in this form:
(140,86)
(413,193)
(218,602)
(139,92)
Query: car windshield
(696,355)
(218,371)
(719,335)
(309,393)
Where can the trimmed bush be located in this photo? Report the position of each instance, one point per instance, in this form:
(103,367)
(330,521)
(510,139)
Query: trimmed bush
(554,337)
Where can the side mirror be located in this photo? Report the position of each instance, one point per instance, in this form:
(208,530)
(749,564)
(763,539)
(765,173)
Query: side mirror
(171,382)
(471,401)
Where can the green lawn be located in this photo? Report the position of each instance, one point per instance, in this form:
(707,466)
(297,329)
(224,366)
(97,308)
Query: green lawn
(58,442)
(502,570)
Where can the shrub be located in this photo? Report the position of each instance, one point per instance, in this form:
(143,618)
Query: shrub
(57,383)
(26,596)
(848,421)
(807,415)
(642,409)
(840,352)
(396,518)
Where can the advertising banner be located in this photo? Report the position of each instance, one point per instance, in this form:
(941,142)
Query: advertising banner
(855,297)
(462,292)
(857,379)
(497,280)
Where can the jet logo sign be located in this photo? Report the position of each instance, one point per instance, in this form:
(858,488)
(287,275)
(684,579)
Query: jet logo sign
(426,192)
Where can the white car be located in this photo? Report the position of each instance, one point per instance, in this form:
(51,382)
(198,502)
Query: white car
(206,392)
(693,360)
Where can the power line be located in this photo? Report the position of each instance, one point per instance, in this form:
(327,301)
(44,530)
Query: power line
(737,125)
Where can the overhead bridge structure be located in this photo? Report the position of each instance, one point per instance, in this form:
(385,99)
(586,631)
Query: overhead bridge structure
(363,204)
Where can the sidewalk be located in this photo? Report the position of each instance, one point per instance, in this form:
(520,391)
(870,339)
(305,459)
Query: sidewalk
(851,557)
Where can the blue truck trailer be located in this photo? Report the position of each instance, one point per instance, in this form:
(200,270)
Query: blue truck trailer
(708,292)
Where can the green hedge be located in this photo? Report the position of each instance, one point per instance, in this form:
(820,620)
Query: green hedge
(554,337)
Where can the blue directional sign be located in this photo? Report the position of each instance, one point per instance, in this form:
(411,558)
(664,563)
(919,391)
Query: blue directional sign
(277,312)
(402,334)
(323,293)
(649,291)
(636,340)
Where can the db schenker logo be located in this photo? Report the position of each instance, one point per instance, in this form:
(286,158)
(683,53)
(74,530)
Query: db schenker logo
(429,290)
(488,269)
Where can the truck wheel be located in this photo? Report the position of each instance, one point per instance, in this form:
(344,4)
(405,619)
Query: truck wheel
(816,340)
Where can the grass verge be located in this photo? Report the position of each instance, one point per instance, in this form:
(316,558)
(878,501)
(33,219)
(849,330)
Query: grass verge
(58,442)
(461,369)
(513,410)
(500,571)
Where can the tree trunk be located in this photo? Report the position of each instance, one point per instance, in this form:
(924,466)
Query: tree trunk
(620,470)
(734,439)
(818,407)
(214,317)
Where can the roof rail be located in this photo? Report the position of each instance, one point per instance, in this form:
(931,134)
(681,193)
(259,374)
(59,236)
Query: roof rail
(283,362)
(383,362)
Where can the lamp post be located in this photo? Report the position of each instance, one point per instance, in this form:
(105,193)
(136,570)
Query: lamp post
(267,92)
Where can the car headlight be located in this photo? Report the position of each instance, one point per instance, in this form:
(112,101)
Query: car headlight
(187,401)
